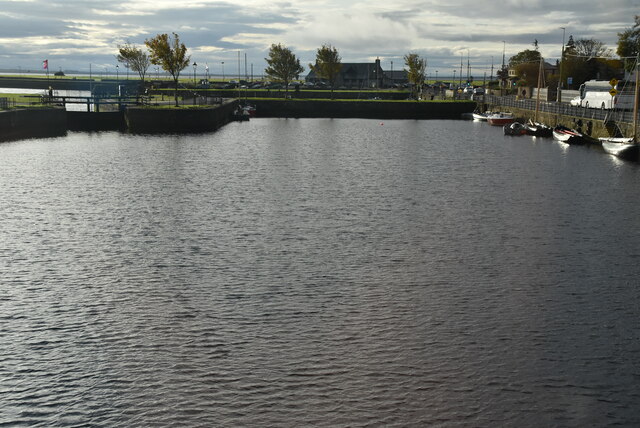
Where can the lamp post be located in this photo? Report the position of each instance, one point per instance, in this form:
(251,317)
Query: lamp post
(460,75)
(454,83)
(223,71)
(392,79)
(436,76)
(559,95)
(194,72)
(117,70)
(502,70)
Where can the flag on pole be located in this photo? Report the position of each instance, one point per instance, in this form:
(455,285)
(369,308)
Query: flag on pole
(45,64)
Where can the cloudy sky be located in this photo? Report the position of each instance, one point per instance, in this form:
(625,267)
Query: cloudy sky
(72,34)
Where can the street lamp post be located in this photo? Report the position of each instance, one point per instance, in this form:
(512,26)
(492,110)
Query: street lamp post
(223,71)
(559,95)
(460,75)
(117,70)
(454,83)
(194,72)
(502,70)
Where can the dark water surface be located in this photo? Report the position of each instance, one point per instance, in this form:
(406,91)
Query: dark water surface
(318,273)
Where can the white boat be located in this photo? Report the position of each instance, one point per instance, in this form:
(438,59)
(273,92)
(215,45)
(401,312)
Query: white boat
(570,136)
(500,118)
(480,116)
(626,148)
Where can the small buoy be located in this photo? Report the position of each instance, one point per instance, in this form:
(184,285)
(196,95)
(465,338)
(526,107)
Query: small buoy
(381,123)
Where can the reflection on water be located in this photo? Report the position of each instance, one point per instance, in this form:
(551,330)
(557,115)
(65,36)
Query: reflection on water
(318,273)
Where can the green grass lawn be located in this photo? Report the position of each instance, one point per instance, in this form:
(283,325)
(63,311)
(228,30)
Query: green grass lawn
(22,100)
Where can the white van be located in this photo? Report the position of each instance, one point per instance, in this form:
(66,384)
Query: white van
(595,94)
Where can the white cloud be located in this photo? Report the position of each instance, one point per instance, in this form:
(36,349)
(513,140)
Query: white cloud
(88,31)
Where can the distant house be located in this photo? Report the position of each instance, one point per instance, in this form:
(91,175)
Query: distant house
(363,75)
(548,71)
(396,77)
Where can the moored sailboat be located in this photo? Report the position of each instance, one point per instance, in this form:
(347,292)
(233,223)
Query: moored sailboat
(538,129)
(626,148)
(570,136)
(515,128)
(533,127)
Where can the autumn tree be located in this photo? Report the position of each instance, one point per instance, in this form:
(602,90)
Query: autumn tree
(328,65)
(629,42)
(134,58)
(417,68)
(592,48)
(586,59)
(525,56)
(526,64)
(283,65)
(169,54)
(503,74)
(527,73)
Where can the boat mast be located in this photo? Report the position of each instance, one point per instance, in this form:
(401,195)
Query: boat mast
(535,117)
(636,98)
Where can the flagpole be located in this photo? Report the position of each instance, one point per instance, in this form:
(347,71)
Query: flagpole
(45,64)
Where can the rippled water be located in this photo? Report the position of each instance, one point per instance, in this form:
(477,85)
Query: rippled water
(318,273)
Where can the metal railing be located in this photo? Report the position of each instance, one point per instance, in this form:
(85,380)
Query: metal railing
(561,108)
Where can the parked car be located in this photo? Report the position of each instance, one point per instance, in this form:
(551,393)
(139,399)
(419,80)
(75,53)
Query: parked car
(478,91)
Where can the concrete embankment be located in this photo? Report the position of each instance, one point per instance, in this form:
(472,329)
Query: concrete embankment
(362,109)
(91,121)
(27,123)
(52,122)
(32,123)
(146,120)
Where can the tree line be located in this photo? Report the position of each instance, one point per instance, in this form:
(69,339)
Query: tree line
(282,64)
(581,59)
